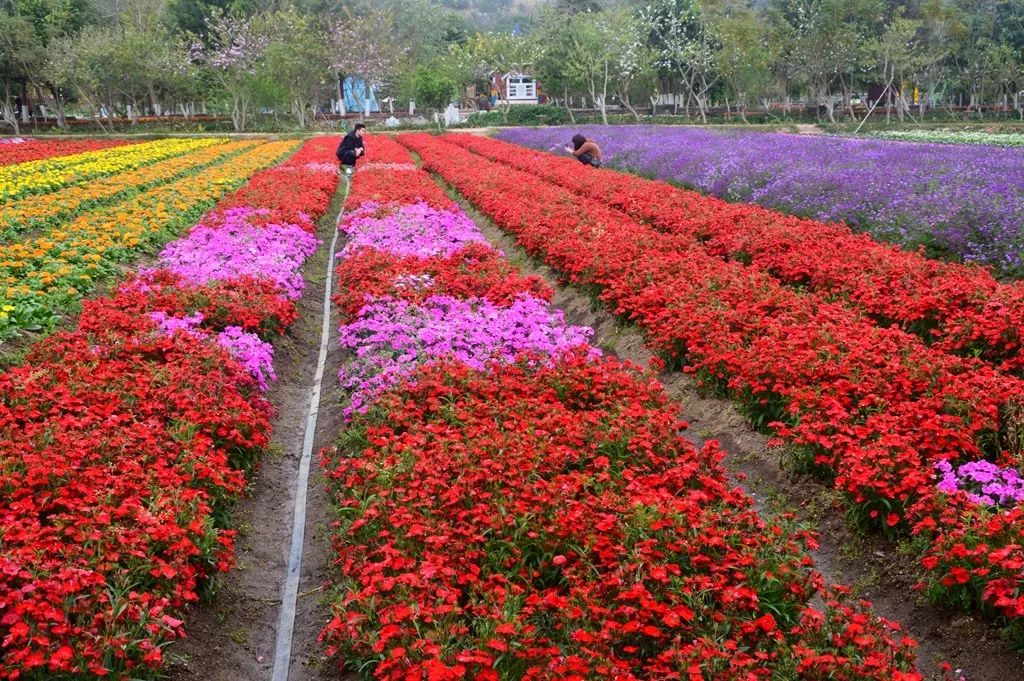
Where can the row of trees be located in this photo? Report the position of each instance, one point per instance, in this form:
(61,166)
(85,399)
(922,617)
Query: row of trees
(740,54)
(290,57)
(117,59)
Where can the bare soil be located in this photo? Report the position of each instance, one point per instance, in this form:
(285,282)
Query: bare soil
(232,634)
(877,570)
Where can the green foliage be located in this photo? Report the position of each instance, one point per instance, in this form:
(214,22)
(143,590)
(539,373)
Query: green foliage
(432,88)
(522,115)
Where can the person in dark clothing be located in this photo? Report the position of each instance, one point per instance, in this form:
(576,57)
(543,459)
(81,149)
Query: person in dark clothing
(586,151)
(351,148)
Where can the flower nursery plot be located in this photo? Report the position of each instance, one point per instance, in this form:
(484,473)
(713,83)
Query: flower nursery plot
(46,175)
(954,137)
(890,418)
(125,441)
(960,309)
(22,149)
(966,202)
(43,276)
(513,504)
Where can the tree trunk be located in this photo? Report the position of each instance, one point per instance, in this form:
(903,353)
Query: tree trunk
(341,95)
(58,107)
(236,113)
(568,104)
(629,107)
(604,95)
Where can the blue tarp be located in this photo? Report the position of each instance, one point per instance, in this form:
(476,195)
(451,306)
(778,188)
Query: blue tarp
(353,86)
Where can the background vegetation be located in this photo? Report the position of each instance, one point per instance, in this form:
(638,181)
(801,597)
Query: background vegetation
(279,64)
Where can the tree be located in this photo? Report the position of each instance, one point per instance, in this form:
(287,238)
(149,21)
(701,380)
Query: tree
(745,59)
(607,49)
(362,46)
(295,59)
(21,56)
(634,64)
(234,48)
(433,89)
(553,44)
(897,58)
(684,43)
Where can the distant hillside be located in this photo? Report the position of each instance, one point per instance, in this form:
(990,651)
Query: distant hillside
(491,14)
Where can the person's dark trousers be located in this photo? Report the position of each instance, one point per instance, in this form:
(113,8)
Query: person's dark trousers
(348,157)
(589,160)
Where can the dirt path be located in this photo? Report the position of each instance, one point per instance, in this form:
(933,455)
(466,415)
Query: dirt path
(877,570)
(232,636)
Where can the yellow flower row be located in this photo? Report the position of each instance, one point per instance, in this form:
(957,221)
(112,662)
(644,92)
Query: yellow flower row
(48,174)
(40,209)
(46,274)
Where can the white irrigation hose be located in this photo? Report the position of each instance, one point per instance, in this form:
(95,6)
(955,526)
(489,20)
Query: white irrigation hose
(286,624)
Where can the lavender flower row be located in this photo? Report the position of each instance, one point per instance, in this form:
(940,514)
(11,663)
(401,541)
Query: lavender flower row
(961,201)
(389,339)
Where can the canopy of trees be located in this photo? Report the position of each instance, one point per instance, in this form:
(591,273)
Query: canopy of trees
(116,60)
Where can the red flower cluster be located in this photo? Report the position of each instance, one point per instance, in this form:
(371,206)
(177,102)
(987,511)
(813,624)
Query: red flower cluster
(121,451)
(275,187)
(552,522)
(384,149)
(875,406)
(34,150)
(959,308)
(377,181)
(476,270)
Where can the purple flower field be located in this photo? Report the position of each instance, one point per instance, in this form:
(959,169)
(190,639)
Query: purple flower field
(965,202)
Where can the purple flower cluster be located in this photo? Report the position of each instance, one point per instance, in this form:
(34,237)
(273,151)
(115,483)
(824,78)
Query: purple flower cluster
(256,355)
(984,482)
(391,338)
(235,247)
(964,201)
(415,229)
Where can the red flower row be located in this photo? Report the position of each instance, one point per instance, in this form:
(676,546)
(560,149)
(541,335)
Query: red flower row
(874,406)
(552,523)
(34,150)
(275,187)
(959,308)
(378,183)
(121,451)
(476,270)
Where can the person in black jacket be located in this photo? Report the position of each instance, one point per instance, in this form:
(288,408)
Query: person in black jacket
(351,148)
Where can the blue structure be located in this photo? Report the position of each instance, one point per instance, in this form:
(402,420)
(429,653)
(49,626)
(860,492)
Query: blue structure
(353,86)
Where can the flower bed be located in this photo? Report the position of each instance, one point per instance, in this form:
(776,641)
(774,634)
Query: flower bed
(873,406)
(23,149)
(46,175)
(39,211)
(123,444)
(957,308)
(46,275)
(512,506)
(965,202)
